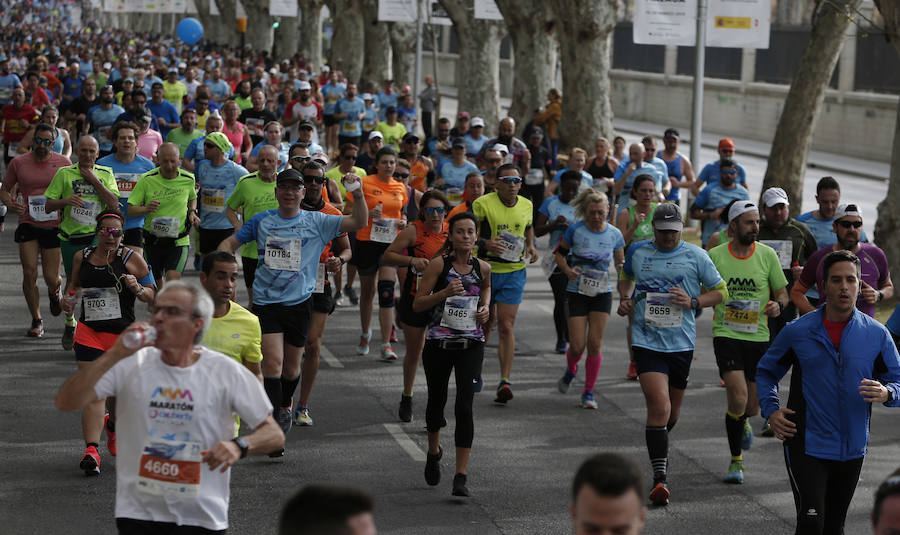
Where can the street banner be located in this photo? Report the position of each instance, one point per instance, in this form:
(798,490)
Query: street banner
(487,9)
(397,11)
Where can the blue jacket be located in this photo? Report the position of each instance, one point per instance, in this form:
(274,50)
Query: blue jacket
(832,418)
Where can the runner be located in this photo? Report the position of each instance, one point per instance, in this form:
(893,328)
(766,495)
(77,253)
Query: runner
(414,248)
(660,288)
(842,362)
(38,228)
(506,238)
(386,199)
(740,324)
(62,143)
(474,190)
(273,132)
(586,254)
(216,176)
(167,195)
(109,278)
(455,289)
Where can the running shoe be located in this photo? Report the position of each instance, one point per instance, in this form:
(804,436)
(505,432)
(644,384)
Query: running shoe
(735,473)
(37,329)
(632,372)
(565,381)
(660,493)
(55,305)
(747,437)
(405,411)
(90,463)
(393,337)
(68,337)
(110,437)
(561,347)
(350,294)
(363,347)
(433,467)
(767,430)
(302,418)
(283,417)
(587,400)
(504,392)
(459,485)
(387,353)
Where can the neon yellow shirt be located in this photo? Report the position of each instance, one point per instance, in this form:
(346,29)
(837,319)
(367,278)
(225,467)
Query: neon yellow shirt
(495,218)
(174,197)
(392,134)
(68,181)
(253,196)
(174,93)
(335,174)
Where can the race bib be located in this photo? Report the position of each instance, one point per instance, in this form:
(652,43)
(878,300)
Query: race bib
(454,196)
(384,230)
(213,199)
(11,149)
(165,227)
(348,127)
(100,304)
(368,125)
(459,313)
(37,209)
(103,134)
(601,185)
(125,182)
(535,177)
(170,468)
(660,312)
(784,249)
(87,214)
(283,253)
(741,316)
(320,279)
(592,282)
(512,246)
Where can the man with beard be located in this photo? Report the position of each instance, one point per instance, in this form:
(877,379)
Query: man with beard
(715,197)
(517,149)
(138,105)
(257,116)
(740,325)
(101,119)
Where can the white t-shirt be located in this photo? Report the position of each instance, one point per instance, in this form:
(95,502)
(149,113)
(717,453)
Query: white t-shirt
(174,410)
(310,112)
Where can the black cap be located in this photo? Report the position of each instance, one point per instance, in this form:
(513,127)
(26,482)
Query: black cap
(410,138)
(288,175)
(458,142)
(305,123)
(671,132)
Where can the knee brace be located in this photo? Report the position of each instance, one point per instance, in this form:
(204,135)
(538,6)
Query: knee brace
(386,294)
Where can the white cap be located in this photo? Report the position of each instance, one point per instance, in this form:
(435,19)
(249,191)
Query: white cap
(375,134)
(367,96)
(739,208)
(846,210)
(500,147)
(477,121)
(773,196)
(326,68)
(182,65)
(107,65)
(320,156)
(304,86)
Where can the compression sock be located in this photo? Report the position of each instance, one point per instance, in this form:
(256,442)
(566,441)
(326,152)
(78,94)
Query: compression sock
(70,321)
(272,386)
(734,428)
(658,448)
(592,370)
(111,425)
(288,387)
(572,361)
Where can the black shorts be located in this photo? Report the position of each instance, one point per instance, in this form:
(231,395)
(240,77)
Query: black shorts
(740,355)
(165,259)
(407,315)
(249,270)
(86,353)
(211,238)
(324,302)
(134,237)
(292,320)
(582,305)
(47,238)
(329,120)
(367,256)
(677,365)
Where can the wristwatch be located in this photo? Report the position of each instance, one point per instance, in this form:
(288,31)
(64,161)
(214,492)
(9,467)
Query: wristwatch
(241,443)
(695,303)
(880,295)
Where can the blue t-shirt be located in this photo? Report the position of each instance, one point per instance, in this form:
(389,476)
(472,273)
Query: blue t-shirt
(710,174)
(216,185)
(370,121)
(283,151)
(438,156)
(350,126)
(72,87)
(552,208)
(102,120)
(332,93)
(127,175)
(893,323)
(674,169)
(473,146)
(687,266)
(8,82)
(313,229)
(385,100)
(195,151)
(219,90)
(455,177)
(659,176)
(713,197)
(592,250)
(166,111)
(587,181)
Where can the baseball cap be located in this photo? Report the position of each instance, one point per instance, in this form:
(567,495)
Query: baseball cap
(107,66)
(321,158)
(127,80)
(367,96)
(500,147)
(325,68)
(182,65)
(145,116)
(304,86)
(220,140)
(667,217)
(726,143)
(476,122)
(288,175)
(375,134)
(773,196)
(463,115)
(845,210)
(172,70)
(459,142)
(305,123)
(739,208)
(410,138)
(671,132)
(536,132)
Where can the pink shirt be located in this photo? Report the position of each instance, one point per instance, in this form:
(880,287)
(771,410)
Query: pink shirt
(236,139)
(148,143)
(33,177)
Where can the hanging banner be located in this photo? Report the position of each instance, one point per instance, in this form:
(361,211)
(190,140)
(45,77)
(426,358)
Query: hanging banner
(663,22)
(487,9)
(738,23)
(283,8)
(115,6)
(397,11)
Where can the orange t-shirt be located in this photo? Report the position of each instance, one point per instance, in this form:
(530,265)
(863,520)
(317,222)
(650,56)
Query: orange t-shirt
(427,245)
(459,208)
(418,174)
(391,195)
(330,210)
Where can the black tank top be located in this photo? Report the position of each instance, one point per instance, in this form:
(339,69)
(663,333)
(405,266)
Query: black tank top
(600,171)
(95,279)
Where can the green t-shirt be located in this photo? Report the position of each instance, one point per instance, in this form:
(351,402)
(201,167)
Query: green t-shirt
(243,103)
(335,174)
(254,196)
(174,93)
(182,138)
(174,196)
(392,134)
(81,220)
(506,223)
(750,282)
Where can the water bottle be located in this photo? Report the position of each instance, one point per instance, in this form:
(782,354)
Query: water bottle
(71,299)
(136,339)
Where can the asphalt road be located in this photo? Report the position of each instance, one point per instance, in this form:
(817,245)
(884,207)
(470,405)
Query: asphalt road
(522,462)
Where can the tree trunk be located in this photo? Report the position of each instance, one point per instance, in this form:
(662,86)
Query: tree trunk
(311,31)
(532,29)
(585,34)
(227,12)
(377,50)
(287,38)
(403,44)
(790,147)
(347,42)
(259,24)
(478,67)
(887,228)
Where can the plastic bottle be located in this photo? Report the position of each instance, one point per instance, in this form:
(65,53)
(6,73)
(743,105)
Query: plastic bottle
(71,299)
(136,339)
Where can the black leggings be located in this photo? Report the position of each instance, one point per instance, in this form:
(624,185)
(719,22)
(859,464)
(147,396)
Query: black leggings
(558,282)
(822,490)
(437,363)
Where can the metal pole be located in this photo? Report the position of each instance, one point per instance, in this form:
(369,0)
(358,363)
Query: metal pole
(417,81)
(699,71)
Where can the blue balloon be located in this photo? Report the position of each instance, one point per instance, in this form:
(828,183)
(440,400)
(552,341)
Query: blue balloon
(189,30)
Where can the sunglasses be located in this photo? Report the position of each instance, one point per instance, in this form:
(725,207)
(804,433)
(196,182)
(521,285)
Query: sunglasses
(210,145)
(728,171)
(39,141)
(510,179)
(349,156)
(401,175)
(848,224)
(309,179)
(303,159)
(431,210)
(110,232)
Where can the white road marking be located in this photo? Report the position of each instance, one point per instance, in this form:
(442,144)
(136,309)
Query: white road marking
(405,442)
(329,358)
